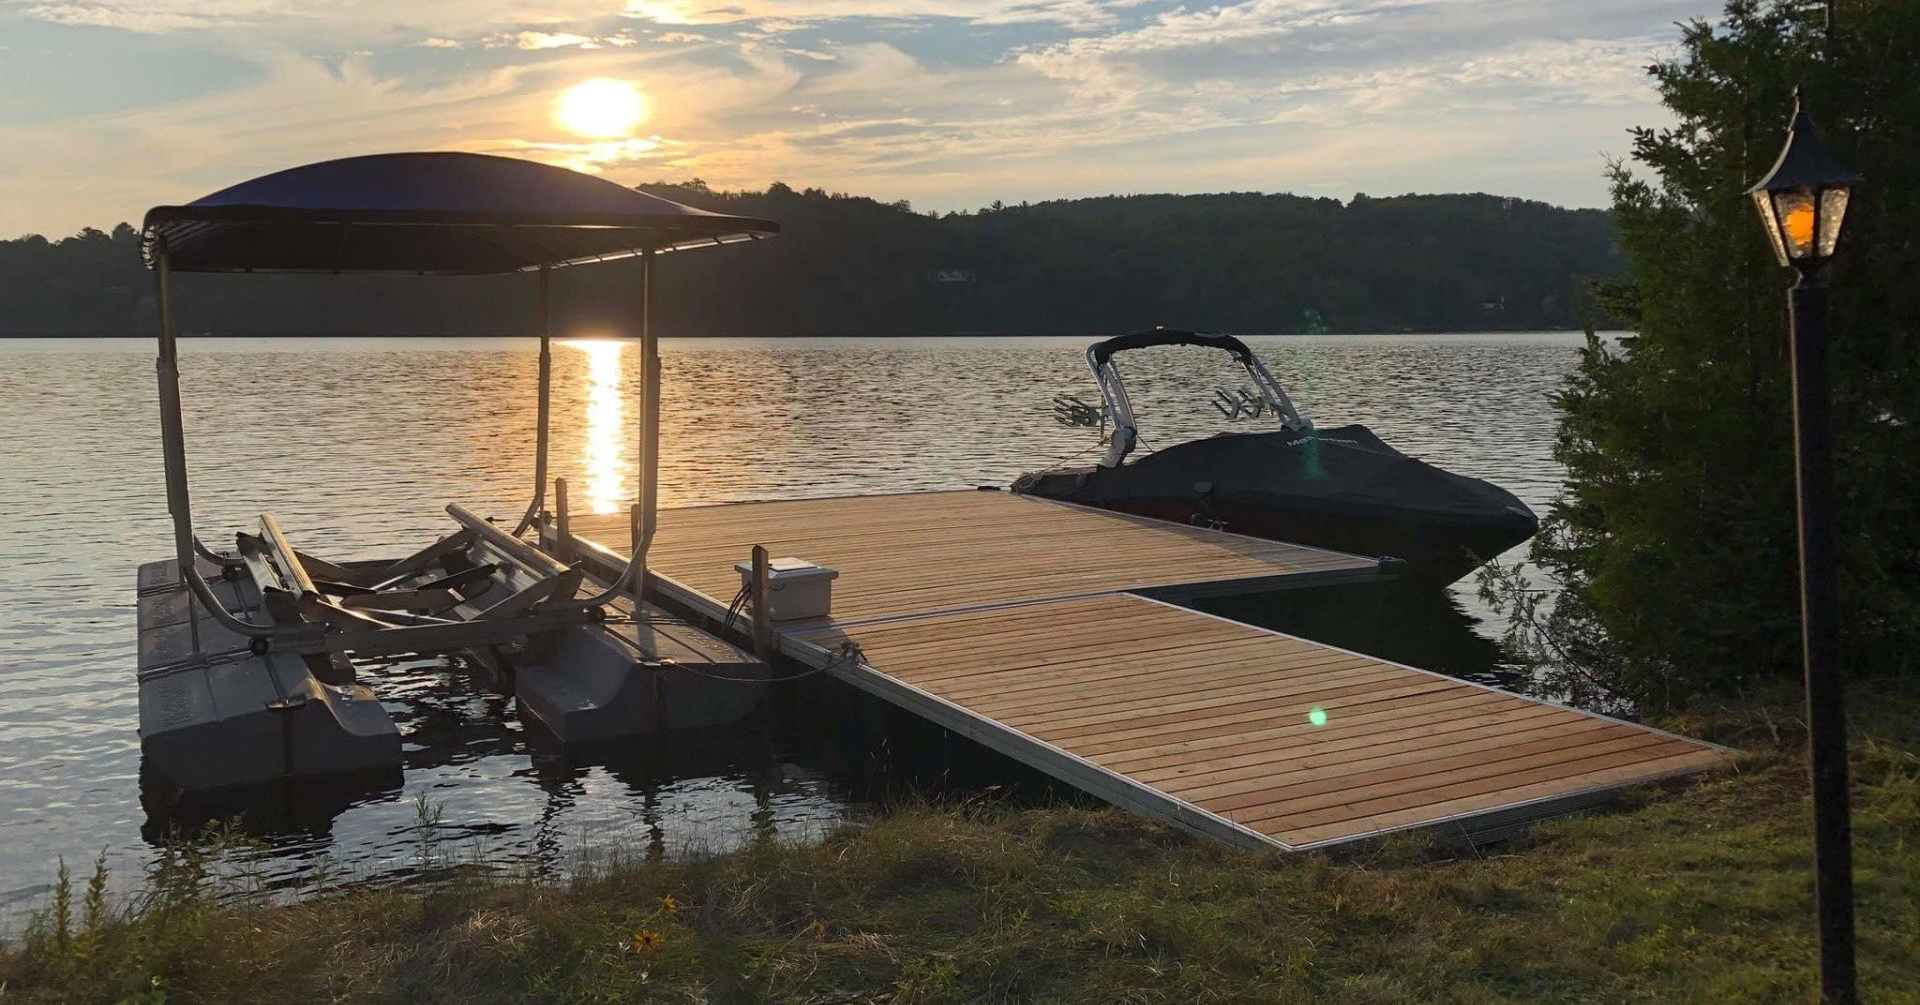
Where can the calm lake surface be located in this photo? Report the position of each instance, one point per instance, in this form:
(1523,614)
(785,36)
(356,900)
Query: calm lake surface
(357,445)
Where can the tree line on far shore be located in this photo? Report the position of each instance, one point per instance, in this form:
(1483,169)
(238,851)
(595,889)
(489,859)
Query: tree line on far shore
(849,265)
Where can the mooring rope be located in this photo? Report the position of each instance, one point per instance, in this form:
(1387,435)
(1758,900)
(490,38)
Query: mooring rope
(198,662)
(1057,465)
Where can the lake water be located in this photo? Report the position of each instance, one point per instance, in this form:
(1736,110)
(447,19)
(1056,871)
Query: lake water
(357,445)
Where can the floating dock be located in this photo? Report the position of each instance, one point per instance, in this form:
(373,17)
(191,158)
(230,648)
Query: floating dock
(1045,631)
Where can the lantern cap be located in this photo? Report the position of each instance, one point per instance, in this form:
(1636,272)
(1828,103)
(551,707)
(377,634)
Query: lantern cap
(1804,162)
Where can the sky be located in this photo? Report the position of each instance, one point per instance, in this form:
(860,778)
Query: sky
(110,106)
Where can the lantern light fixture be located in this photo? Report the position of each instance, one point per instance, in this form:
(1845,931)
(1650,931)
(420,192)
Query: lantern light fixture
(1803,199)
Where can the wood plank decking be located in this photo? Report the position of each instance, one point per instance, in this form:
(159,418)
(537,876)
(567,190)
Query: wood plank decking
(914,554)
(1014,621)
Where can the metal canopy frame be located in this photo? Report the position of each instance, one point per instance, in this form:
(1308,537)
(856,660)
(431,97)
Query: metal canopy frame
(189,550)
(1101,359)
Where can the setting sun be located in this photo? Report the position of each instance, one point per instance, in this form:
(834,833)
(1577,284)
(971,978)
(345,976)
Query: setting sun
(600,108)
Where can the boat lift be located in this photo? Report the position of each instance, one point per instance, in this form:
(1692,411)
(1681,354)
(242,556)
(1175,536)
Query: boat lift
(265,626)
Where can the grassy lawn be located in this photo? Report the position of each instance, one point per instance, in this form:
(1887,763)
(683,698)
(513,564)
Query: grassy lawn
(1698,893)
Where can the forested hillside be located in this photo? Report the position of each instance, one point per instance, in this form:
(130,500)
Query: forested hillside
(846,265)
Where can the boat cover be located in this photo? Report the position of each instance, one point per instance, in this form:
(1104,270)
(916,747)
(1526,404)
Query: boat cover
(1338,488)
(1345,469)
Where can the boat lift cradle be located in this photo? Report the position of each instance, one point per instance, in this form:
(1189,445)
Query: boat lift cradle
(245,672)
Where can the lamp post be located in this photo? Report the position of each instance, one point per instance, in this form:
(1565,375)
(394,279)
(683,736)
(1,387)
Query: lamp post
(1803,202)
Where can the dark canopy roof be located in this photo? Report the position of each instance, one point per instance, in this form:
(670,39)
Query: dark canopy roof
(445,213)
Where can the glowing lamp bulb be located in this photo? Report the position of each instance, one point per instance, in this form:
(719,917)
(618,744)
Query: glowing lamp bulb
(1799,224)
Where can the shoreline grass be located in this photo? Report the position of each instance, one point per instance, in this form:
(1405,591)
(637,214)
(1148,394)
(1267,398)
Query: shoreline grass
(1695,892)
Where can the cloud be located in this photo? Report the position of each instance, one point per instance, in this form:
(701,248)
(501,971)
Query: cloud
(1384,64)
(158,16)
(1077,13)
(947,104)
(535,40)
(598,157)
(372,20)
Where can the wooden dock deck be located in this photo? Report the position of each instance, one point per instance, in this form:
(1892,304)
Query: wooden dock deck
(1020,623)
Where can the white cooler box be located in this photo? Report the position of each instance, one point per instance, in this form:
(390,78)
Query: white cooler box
(796,588)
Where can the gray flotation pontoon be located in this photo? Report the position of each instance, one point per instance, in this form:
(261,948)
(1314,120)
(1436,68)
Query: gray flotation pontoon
(247,655)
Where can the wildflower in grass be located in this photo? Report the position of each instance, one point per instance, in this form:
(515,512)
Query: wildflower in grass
(645,939)
(670,905)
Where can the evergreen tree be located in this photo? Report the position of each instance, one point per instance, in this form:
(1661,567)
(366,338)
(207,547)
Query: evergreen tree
(1674,541)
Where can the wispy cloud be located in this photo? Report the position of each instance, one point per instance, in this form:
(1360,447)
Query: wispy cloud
(157,16)
(950,104)
(530,41)
(1077,13)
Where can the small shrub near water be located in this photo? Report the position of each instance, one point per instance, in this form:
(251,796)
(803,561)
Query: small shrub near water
(1699,894)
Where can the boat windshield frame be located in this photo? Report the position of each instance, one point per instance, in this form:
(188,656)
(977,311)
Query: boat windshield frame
(1101,359)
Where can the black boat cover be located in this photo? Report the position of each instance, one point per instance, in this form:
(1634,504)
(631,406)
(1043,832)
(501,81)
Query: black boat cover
(1346,469)
(1339,488)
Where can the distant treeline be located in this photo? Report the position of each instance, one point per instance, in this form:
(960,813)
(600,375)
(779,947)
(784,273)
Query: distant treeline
(846,265)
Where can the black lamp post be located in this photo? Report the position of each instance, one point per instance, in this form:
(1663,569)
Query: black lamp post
(1803,202)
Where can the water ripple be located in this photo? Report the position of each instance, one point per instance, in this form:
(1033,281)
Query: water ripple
(357,445)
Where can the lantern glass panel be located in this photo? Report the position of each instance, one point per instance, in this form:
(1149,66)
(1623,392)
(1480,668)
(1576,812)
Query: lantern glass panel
(1796,210)
(1763,201)
(1833,211)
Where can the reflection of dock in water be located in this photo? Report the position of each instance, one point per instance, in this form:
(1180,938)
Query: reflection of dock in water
(1042,631)
(667,792)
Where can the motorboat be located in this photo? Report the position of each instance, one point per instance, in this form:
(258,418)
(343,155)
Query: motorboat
(1341,488)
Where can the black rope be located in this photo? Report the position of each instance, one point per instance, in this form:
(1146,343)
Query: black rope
(195,662)
(738,605)
(1056,465)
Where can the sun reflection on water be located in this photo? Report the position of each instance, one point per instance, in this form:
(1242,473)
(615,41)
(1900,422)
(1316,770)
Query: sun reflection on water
(604,455)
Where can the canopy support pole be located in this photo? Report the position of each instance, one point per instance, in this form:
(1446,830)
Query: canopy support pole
(546,384)
(645,513)
(173,453)
(173,449)
(641,516)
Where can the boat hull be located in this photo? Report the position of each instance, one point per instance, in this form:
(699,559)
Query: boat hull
(1341,489)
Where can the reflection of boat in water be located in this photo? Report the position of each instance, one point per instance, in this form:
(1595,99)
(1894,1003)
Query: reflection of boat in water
(1340,488)
(248,656)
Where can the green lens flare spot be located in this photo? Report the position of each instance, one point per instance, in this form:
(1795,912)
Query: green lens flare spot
(1317,716)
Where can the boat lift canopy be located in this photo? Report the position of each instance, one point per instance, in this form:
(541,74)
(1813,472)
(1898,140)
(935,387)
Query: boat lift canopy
(437,213)
(428,213)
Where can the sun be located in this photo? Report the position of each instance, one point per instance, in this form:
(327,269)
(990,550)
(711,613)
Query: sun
(601,108)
